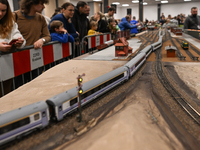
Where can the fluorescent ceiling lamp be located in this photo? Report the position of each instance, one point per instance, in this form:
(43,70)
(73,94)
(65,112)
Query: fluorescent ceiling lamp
(145,3)
(135,1)
(157,0)
(97,0)
(187,0)
(125,5)
(116,3)
(164,1)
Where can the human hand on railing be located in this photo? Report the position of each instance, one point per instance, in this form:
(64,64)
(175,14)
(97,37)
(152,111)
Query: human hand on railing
(4,47)
(19,42)
(38,44)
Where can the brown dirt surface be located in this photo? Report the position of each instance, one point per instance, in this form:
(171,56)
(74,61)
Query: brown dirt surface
(54,81)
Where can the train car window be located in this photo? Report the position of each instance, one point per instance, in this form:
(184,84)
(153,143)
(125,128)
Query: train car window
(43,114)
(139,62)
(60,108)
(14,125)
(73,101)
(36,116)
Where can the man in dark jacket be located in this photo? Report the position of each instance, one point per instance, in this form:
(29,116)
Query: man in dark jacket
(79,20)
(193,21)
(125,24)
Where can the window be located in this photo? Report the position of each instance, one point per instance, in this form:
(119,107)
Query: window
(139,62)
(43,114)
(36,117)
(60,108)
(73,101)
(14,125)
(121,47)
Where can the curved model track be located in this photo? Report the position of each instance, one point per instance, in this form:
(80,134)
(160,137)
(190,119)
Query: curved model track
(173,92)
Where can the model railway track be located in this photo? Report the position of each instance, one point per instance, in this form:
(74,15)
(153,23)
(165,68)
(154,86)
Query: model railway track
(173,92)
(180,55)
(155,37)
(188,52)
(193,48)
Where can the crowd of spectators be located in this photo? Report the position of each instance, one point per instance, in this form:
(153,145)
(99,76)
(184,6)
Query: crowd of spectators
(69,23)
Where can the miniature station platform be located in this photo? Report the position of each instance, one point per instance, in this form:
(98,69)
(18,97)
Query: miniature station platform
(63,77)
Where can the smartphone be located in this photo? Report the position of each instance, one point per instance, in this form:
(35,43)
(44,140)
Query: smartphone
(13,41)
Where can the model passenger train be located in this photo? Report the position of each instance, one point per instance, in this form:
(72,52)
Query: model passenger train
(22,121)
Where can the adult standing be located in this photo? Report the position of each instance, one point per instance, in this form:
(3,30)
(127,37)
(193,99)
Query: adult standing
(134,22)
(65,18)
(192,21)
(79,20)
(125,24)
(8,28)
(102,24)
(8,32)
(27,16)
(110,14)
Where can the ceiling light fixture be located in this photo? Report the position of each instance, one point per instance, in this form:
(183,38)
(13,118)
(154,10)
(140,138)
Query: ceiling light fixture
(135,1)
(116,3)
(164,1)
(125,5)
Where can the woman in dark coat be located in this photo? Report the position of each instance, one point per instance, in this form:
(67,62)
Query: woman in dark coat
(102,24)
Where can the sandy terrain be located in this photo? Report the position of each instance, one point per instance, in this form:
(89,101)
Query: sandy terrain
(54,81)
(132,127)
(189,73)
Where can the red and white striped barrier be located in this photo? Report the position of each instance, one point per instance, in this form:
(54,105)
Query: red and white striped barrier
(94,41)
(15,64)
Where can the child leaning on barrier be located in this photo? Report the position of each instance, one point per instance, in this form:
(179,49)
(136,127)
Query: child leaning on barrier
(93,26)
(112,26)
(59,33)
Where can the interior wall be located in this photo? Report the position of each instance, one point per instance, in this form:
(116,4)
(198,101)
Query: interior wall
(60,2)
(97,7)
(11,5)
(50,8)
(174,9)
(150,11)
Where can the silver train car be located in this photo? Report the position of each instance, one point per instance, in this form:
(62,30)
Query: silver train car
(147,50)
(64,103)
(109,42)
(22,121)
(158,44)
(135,63)
(19,122)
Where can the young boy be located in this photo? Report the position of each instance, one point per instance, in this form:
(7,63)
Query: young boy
(113,28)
(93,26)
(59,33)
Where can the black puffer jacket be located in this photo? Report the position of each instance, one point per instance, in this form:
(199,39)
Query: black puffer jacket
(81,23)
(102,26)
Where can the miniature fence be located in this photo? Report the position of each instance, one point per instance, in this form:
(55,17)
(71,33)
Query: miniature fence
(96,40)
(28,60)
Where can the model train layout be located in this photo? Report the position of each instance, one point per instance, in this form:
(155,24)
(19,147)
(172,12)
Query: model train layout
(21,121)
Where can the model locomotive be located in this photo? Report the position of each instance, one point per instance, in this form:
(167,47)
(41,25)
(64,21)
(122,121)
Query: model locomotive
(184,45)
